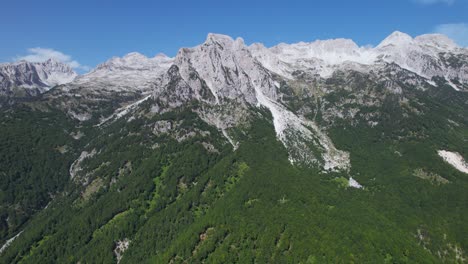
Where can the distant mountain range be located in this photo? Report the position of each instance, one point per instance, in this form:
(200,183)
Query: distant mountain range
(431,55)
(24,78)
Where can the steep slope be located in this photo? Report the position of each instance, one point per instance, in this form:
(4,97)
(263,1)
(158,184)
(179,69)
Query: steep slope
(226,68)
(37,148)
(223,75)
(168,186)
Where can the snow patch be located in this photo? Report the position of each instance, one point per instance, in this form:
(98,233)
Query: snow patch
(453,85)
(353,183)
(80,116)
(75,167)
(234,144)
(431,82)
(8,242)
(454,159)
(123,110)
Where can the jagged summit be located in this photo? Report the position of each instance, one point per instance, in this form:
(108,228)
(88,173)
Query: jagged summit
(52,61)
(224,41)
(397,38)
(224,70)
(226,67)
(421,55)
(34,77)
(220,38)
(438,41)
(221,62)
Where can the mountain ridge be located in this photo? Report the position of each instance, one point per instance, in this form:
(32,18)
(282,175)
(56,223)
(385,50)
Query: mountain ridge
(34,77)
(421,54)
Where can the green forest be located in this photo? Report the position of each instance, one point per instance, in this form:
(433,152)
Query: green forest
(181,202)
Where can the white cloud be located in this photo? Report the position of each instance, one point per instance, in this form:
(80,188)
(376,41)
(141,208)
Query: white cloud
(43,54)
(458,32)
(431,2)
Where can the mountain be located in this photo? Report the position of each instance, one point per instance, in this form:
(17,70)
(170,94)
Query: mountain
(131,72)
(225,69)
(115,81)
(429,56)
(227,153)
(32,78)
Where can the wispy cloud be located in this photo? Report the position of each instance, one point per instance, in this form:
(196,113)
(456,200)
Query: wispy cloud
(431,2)
(43,54)
(458,32)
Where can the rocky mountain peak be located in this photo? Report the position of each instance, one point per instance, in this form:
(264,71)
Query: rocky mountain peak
(218,38)
(397,38)
(53,61)
(34,77)
(224,42)
(226,66)
(134,56)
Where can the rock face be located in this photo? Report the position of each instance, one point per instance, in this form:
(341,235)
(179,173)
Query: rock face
(431,55)
(219,70)
(223,74)
(31,78)
(223,70)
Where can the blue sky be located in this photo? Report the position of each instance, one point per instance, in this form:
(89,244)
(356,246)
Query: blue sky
(84,33)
